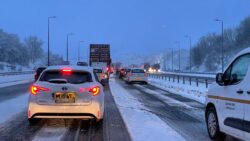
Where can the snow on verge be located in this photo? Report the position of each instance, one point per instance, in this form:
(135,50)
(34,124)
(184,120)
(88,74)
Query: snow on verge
(9,80)
(185,90)
(12,107)
(141,124)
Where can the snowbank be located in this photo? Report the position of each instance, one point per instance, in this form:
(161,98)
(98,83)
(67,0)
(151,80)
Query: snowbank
(185,90)
(9,80)
(141,124)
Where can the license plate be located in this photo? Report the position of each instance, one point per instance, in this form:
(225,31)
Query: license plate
(69,97)
(137,78)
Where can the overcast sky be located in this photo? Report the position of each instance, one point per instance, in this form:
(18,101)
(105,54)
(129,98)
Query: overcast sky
(129,26)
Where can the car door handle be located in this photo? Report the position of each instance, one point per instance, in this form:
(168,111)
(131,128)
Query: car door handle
(240,91)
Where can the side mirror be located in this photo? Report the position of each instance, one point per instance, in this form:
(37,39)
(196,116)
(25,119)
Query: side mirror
(219,79)
(104,81)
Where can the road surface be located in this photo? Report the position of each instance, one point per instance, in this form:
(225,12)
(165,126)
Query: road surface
(17,128)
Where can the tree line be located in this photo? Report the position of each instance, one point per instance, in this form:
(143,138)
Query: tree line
(26,52)
(208,51)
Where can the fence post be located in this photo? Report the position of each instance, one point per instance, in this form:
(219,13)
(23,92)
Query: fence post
(178,78)
(189,80)
(197,83)
(173,78)
(206,83)
(183,79)
(169,78)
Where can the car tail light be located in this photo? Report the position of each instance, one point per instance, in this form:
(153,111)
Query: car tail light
(102,75)
(66,71)
(35,89)
(93,90)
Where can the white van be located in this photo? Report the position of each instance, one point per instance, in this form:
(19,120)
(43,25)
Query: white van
(228,100)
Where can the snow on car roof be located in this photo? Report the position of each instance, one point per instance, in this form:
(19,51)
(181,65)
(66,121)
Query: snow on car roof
(244,51)
(73,67)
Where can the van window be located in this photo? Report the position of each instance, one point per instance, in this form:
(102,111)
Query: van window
(238,69)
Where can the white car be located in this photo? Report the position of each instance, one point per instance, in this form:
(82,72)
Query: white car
(137,75)
(66,92)
(228,100)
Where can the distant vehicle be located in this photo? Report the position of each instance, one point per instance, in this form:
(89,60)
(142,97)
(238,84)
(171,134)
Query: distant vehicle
(228,100)
(136,75)
(100,56)
(38,72)
(82,64)
(100,74)
(123,72)
(66,92)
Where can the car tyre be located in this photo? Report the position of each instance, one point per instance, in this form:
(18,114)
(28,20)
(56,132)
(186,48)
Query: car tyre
(213,125)
(128,82)
(33,121)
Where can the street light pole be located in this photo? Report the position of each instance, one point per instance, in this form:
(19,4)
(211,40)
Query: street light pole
(69,34)
(52,17)
(172,59)
(190,51)
(222,43)
(79,50)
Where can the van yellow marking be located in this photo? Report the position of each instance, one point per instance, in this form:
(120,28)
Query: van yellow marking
(229,99)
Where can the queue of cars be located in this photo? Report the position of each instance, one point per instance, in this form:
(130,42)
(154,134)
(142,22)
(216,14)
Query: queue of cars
(133,75)
(67,92)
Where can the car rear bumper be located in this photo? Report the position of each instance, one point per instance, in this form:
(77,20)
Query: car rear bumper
(94,110)
(136,79)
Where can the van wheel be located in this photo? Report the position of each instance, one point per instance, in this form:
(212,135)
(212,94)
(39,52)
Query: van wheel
(213,125)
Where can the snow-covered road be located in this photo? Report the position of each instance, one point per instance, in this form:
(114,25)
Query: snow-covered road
(132,112)
(11,80)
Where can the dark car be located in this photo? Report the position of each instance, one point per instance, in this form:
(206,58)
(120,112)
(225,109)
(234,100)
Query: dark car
(123,72)
(82,64)
(38,72)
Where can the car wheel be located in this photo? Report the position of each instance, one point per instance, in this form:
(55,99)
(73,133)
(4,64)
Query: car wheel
(213,125)
(33,121)
(129,82)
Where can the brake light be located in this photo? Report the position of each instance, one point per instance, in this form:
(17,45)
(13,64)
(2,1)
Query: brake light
(35,89)
(93,90)
(130,74)
(66,71)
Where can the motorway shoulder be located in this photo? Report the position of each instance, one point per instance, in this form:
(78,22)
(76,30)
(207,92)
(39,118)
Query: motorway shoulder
(13,91)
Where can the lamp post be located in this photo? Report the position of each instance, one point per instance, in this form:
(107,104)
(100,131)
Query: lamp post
(172,59)
(69,34)
(52,17)
(222,40)
(190,47)
(79,50)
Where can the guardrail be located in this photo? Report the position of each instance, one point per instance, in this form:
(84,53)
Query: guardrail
(185,78)
(16,73)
